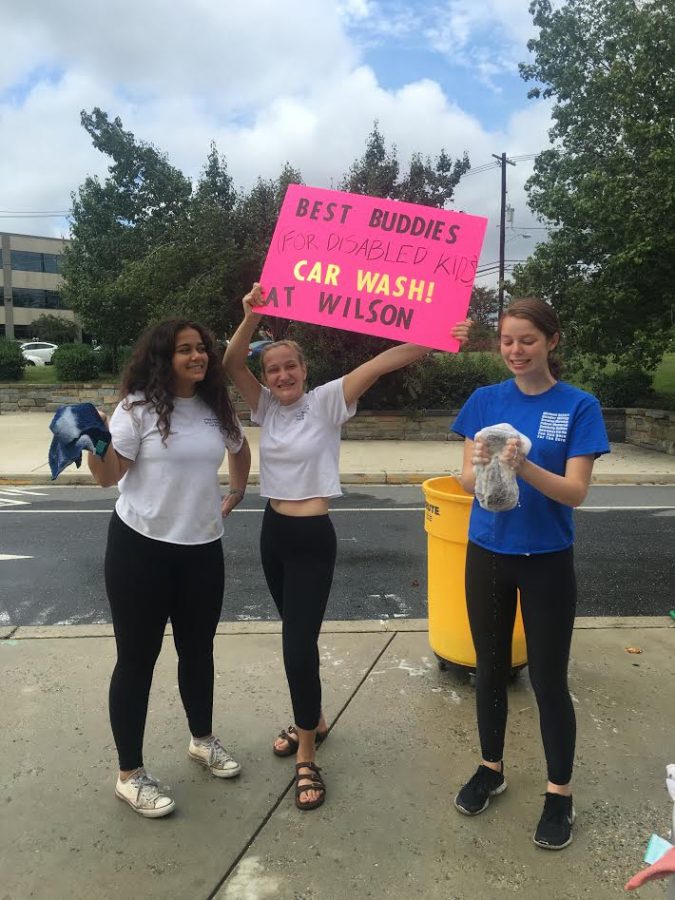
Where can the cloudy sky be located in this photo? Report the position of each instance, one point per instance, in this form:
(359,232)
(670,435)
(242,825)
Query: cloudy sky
(299,81)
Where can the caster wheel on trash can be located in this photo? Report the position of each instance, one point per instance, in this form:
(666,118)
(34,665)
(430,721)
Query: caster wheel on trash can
(461,674)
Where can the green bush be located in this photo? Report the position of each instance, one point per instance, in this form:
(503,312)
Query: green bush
(624,387)
(123,354)
(108,362)
(75,362)
(441,381)
(12,362)
(447,380)
(104,358)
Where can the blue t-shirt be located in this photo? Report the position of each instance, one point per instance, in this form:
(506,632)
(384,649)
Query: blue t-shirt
(562,422)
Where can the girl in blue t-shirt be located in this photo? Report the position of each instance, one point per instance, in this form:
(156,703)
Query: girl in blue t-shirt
(528,549)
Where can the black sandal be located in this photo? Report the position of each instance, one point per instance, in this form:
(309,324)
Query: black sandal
(316,783)
(290,736)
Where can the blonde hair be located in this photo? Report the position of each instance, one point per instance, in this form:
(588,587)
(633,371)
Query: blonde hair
(292,345)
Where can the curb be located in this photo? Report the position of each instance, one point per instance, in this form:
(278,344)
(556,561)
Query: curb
(350,626)
(393,478)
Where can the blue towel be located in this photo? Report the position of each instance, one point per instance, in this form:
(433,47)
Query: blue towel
(76,428)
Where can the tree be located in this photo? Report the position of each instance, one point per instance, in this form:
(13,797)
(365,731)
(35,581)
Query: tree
(191,272)
(55,329)
(213,253)
(115,223)
(607,184)
(483,311)
(255,216)
(377,173)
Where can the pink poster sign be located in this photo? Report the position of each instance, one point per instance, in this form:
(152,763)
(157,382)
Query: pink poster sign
(382,267)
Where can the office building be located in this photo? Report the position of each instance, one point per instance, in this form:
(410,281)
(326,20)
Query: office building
(31,282)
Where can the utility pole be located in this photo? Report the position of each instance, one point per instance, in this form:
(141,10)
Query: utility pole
(502,160)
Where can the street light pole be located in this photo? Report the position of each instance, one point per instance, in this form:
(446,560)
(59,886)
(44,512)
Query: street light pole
(502,160)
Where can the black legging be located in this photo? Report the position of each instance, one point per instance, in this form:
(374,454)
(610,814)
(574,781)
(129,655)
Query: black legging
(149,582)
(298,558)
(548,597)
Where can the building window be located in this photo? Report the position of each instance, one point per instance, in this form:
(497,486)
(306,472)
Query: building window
(34,298)
(23,332)
(27,261)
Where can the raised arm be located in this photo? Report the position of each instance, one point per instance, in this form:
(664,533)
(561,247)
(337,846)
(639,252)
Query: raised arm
(357,382)
(236,355)
(364,376)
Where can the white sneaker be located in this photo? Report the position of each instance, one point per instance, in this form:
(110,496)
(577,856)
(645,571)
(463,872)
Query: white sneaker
(215,757)
(141,791)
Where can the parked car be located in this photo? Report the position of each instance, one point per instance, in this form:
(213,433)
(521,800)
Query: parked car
(255,348)
(38,353)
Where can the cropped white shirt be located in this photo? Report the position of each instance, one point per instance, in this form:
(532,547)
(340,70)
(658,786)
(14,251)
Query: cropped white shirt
(171,492)
(300,443)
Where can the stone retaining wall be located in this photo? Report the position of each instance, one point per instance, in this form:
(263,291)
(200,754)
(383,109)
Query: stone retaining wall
(48,397)
(650,428)
(653,429)
(435,424)
(17,398)
(390,425)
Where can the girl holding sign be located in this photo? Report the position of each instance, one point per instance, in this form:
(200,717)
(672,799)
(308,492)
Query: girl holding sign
(299,474)
(528,549)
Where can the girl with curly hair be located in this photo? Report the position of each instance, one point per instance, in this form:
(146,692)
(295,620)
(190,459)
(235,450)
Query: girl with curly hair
(164,557)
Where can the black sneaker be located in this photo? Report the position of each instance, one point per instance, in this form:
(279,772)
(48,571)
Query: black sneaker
(474,797)
(554,830)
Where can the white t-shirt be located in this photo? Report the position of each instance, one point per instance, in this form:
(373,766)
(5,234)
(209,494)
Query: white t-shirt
(300,443)
(171,492)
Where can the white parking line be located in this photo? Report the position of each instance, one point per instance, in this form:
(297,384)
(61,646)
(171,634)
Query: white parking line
(23,491)
(14,492)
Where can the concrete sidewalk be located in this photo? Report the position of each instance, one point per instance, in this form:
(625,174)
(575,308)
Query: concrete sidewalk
(403,739)
(25,439)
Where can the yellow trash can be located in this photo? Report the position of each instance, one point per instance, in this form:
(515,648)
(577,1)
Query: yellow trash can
(446,521)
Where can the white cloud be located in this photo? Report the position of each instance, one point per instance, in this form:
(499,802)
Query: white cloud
(489,37)
(292,87)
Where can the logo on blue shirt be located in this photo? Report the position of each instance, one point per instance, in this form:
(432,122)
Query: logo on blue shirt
(553,426)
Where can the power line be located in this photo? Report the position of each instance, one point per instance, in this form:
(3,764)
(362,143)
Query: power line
(486,167)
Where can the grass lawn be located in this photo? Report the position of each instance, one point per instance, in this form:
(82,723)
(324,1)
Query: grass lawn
(40,375)
(664,377)
(47,375)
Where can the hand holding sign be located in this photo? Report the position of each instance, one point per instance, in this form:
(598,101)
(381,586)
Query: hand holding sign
(460,330)
(253,302)
(381,267)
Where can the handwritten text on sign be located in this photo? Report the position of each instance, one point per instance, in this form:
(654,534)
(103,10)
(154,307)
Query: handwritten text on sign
(381,267)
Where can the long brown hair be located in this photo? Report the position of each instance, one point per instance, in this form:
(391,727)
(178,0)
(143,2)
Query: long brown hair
(150,372)
(544,319)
